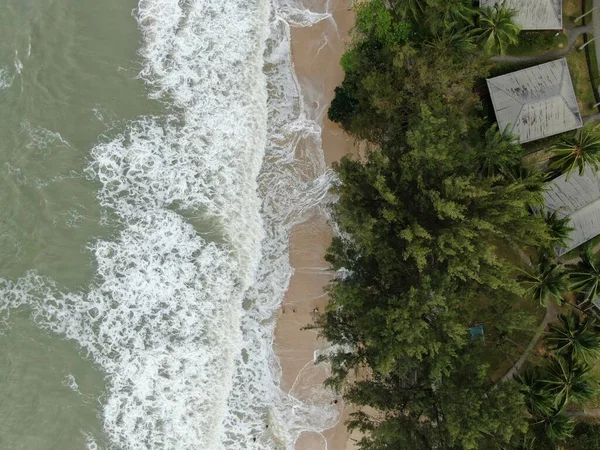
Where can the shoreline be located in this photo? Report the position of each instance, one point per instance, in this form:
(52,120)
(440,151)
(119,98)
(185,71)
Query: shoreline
(316,52)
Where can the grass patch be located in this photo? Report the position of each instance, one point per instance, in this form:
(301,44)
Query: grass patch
(591,55)
(536,42)
(581,80)
(594,72)
(571,10)
(502,357)
(501,351)
(585,76)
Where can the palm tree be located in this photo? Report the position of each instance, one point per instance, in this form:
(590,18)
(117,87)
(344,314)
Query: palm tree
(555,426)
(453,41)
(559,229)
(533,179)
(496,29)
(524,443)
(406,8)
(573,337)
(546,280)
(585,275)
(500,153)
(457,12)
(568,380)
(578,151)
(538,400)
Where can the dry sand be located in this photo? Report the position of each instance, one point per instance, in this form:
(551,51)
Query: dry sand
(316,53)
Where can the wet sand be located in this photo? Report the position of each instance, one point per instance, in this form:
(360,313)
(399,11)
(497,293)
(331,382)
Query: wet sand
(316,53)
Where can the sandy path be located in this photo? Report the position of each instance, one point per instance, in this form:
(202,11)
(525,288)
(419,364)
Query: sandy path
(316,53)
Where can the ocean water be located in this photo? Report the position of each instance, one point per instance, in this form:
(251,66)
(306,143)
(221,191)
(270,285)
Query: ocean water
(154,156)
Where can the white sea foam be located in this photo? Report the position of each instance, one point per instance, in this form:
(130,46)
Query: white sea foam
(90,442)
(293,182)
(6,78)
(70,382)
(18,63)
(183,325)
(15,172)
(73,217)
(41,138)
(154,322)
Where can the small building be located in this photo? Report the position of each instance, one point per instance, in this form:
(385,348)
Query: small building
(578,197)
(532,14)
(536,102)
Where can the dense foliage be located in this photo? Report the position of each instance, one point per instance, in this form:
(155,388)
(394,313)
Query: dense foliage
(575,153)
(563,377)
(586,437)
(435,218)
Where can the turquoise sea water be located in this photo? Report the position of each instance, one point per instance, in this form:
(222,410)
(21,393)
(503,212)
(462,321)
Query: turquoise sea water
(153,157)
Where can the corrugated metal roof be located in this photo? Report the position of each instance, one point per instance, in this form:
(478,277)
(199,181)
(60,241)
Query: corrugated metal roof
(586,222)
(533,14)
(536,102)
(579,198)
(568,196)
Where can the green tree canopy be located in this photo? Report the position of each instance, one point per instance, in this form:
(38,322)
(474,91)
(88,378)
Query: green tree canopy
(546,280)
(555,426)
(389,75)
(500,154)
(586,436)
(574,337)
(576,152)
(496,29)
(538,399)
(418,245)
(559,229)
(568,380)
(462,410)
(584,276)
(433,219)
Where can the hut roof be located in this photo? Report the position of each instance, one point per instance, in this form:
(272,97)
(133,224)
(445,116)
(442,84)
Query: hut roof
(533,14)
(536,102)
(578,197)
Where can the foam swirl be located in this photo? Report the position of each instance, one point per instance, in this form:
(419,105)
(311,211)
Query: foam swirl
(182,324)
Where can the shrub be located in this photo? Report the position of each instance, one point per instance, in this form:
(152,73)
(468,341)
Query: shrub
(585,437)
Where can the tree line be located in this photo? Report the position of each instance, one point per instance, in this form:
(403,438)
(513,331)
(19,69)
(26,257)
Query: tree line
(436,219)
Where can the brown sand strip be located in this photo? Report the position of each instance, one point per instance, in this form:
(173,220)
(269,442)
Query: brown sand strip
(316,53)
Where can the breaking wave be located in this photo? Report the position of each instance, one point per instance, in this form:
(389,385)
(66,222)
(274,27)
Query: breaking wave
(181,313)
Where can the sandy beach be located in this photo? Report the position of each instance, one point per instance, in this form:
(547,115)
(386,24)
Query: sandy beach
(316,53)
